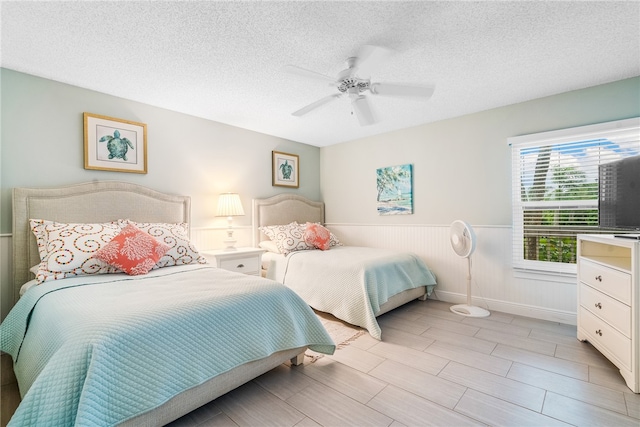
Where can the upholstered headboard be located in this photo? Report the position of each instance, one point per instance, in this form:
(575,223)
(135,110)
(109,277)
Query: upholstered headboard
(93,202)
(283,209)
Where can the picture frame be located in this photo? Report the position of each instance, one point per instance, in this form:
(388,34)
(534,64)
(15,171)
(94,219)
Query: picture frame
(395,190)
(115,145)
(285,169)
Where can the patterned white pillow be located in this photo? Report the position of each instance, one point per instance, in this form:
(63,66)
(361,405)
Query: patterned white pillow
(333,240)
(288,238)
(68,250)
(181,250)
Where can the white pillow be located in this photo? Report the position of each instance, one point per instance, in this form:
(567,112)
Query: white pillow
(68,250)
(181,250)
(30,284)
(269,245)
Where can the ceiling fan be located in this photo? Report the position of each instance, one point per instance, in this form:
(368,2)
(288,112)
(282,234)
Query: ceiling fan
(354,82)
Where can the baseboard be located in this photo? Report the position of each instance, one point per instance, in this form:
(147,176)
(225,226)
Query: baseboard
(565,317)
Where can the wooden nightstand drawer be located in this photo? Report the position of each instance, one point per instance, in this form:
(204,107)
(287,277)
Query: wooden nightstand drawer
(610,281)
(609,309)
(242,265)
(242,260)
(606,339)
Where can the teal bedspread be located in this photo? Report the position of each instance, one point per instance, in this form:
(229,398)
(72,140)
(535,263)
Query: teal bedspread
(96,352)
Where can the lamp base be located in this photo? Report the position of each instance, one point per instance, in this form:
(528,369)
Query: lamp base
(230,242)
(230,245)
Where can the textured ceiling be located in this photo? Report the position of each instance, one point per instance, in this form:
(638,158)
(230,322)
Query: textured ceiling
(224,61)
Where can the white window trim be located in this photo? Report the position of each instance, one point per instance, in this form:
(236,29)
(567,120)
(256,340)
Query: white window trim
(572,134)
(560,272)
(546,276)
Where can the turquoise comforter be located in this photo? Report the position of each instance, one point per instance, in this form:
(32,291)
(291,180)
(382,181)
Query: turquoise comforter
(99,351)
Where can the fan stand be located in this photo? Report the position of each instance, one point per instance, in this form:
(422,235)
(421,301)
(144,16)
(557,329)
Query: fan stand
(468,309)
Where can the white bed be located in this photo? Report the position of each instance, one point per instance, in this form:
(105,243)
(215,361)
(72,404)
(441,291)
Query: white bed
(106,201)
(355,284)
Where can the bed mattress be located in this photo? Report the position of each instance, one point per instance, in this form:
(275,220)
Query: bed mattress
(351,282)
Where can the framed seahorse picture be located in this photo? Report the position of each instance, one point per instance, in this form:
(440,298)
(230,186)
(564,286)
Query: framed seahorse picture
(285,169)
(116,145)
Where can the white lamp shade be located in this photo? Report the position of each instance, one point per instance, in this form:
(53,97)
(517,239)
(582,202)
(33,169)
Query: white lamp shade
(229,204)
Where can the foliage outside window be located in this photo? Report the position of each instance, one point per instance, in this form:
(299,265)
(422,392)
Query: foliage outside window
(555,189)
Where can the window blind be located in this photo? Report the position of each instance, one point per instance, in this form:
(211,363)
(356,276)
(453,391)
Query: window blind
(555,189)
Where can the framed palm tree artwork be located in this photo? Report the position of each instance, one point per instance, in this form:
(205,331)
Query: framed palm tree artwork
(395,190)
(285,169)
(114,144)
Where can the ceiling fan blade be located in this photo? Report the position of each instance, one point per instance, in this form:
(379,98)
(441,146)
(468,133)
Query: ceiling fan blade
(369,58)
(303,72)
(363,111)
(319,103)
(403,90)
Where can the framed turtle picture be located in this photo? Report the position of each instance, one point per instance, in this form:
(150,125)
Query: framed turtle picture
(114,144)
(285,169)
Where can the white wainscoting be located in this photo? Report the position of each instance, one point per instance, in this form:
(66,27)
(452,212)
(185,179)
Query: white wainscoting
(494,285)
(209,238)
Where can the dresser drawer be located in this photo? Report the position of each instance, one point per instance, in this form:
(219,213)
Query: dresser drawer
(606,338)
(610,281)
(247,265)
(611,310)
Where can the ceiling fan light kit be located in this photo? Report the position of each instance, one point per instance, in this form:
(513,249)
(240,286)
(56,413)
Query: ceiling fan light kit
(463,242)
(348,83)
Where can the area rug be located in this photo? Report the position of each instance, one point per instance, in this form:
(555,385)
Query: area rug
(341,332)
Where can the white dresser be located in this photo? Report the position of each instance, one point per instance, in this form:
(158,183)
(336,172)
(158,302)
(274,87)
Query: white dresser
(608,300)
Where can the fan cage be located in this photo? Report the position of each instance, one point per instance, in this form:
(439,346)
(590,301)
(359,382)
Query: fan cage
(462,238)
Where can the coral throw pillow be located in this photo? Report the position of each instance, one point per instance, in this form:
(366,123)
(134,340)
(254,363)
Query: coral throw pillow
(318,236)
(133,251)
(181,250)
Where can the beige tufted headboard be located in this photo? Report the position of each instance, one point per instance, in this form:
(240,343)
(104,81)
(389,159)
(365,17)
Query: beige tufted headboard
(92,202)
(283,209)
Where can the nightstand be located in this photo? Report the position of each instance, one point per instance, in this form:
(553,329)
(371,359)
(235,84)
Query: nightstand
(242,260)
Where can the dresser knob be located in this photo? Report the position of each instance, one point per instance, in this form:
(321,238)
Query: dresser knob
(598,305)
(599,278)
(240,266)
(599,332)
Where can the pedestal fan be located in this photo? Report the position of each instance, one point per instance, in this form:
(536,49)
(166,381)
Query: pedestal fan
(463,242)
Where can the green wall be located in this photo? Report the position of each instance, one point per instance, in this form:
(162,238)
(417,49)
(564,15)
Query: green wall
(42,145)
(461,166)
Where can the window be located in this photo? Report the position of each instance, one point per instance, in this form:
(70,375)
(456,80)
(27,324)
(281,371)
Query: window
(555,189)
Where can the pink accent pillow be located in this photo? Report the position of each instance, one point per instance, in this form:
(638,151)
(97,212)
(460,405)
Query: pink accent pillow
(318,236)
(175,235)
(132,251)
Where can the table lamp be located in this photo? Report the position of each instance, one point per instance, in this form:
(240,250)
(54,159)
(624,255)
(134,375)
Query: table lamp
(229,205)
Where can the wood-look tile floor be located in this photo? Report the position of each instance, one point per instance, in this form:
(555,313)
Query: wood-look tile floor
(434,367)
